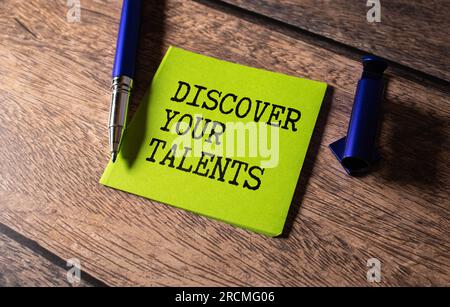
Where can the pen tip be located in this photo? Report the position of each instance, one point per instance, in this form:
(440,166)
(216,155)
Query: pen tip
(114,156)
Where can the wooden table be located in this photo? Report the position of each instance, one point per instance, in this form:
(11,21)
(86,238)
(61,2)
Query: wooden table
(54,92)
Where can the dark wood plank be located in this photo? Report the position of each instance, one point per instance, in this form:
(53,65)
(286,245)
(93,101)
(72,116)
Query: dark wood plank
(20,266)
(413,33)
(53,148)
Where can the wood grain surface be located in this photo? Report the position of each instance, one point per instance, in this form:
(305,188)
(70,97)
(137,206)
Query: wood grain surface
(413,33)
(24,266)
(54,92)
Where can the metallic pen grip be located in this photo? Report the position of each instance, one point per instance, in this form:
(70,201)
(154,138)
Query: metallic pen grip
(120,97)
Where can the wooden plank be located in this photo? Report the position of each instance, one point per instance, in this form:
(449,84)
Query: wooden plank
(21,266)
(53,149)
(413,33)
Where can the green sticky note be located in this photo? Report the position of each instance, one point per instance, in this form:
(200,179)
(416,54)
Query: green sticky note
(219,139)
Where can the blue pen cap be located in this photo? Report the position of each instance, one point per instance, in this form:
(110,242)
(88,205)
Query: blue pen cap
(356,152)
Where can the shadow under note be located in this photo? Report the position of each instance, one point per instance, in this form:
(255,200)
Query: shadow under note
(308,164)
(149,56)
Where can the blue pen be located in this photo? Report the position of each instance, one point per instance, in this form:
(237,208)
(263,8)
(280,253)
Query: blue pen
(123,72)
